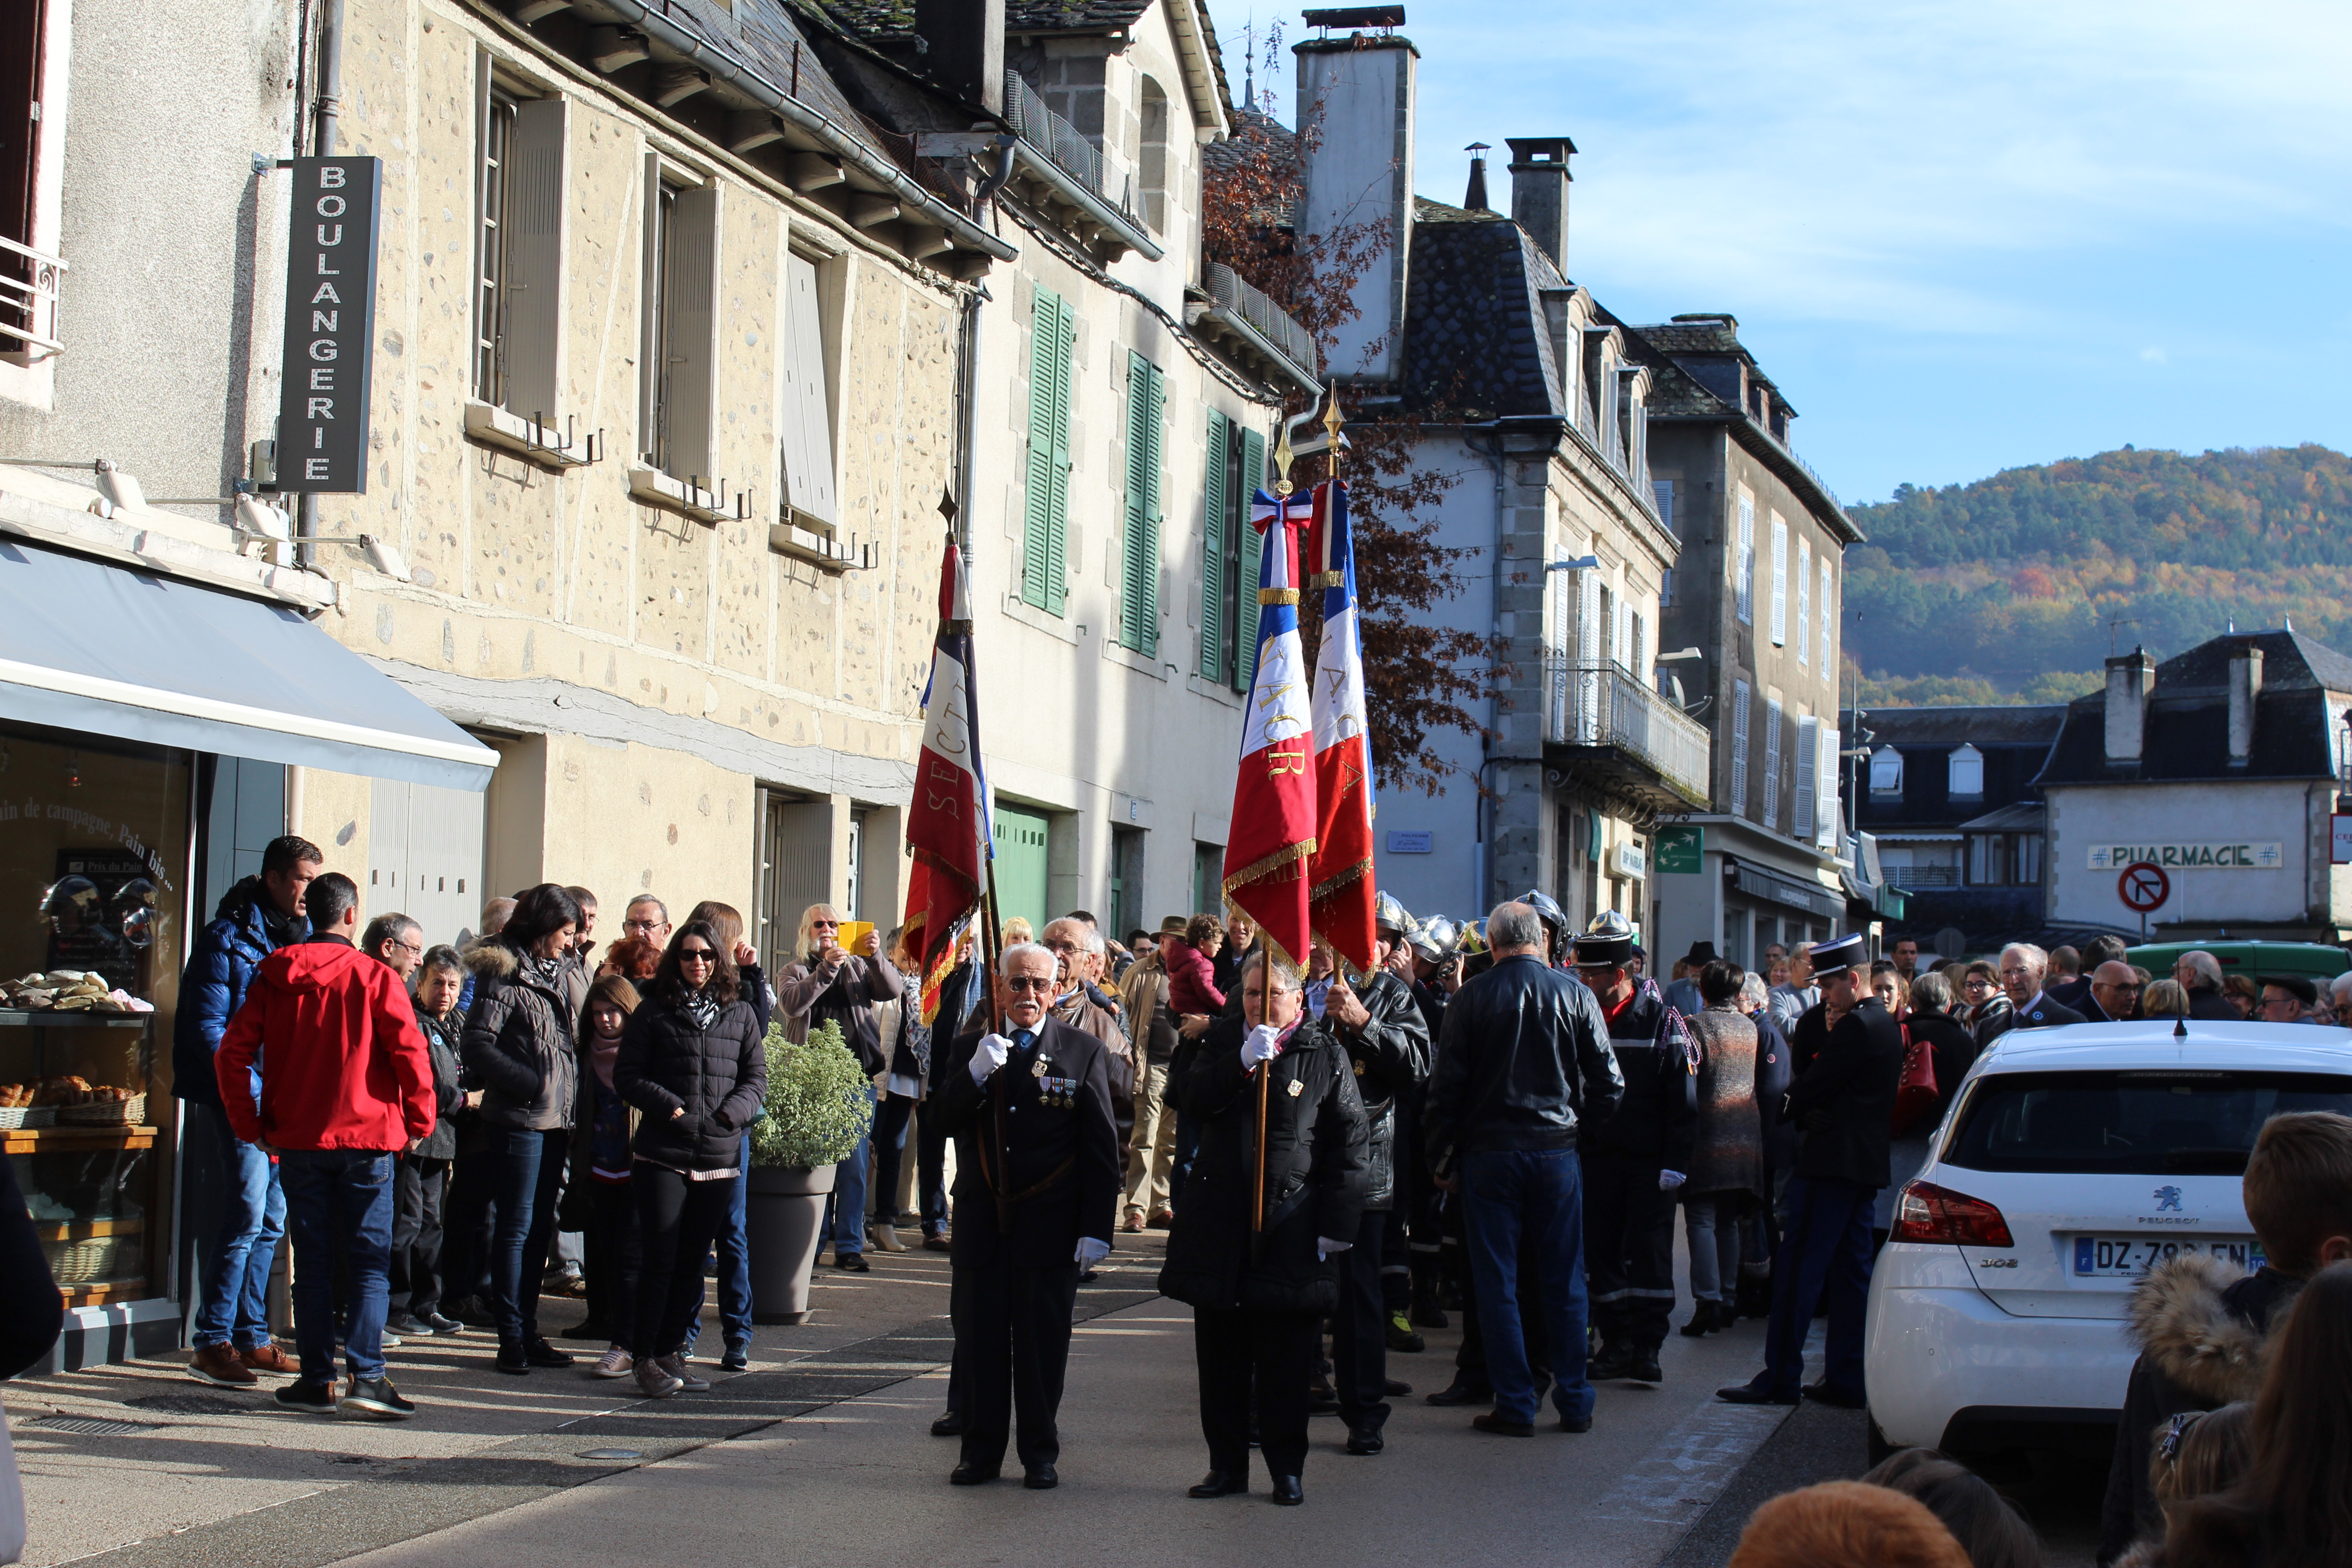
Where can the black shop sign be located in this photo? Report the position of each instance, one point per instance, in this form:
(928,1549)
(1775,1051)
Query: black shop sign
(322,413)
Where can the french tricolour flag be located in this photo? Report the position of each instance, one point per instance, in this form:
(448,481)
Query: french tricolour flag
(1272,833)
(1339,873)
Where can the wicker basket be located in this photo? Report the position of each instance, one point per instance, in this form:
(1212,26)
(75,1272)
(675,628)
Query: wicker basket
(38,1116)
(12,1117)
(95,1259)
(131,1113)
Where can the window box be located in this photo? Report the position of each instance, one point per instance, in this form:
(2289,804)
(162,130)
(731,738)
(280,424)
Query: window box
(817,546)
(651,487)
(549,445)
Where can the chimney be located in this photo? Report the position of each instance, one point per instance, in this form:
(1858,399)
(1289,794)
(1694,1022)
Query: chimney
(1355,116)
(1539,179)
(2245,685)
(960,45)
(1475,200)
(2128,680)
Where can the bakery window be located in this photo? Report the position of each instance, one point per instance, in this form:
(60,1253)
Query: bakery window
(94,836)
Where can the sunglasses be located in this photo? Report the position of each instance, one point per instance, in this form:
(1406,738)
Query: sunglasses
(697,955)
(1019,982)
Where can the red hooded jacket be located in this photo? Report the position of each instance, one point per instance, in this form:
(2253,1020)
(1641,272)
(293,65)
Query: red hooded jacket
(345,1065)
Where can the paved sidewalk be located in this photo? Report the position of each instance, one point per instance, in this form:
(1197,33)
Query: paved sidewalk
(206,1473)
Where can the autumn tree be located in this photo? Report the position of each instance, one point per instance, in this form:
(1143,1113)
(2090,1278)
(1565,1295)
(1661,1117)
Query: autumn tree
(1420,678)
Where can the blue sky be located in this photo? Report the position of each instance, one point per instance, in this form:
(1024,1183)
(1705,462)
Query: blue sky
(1960,237)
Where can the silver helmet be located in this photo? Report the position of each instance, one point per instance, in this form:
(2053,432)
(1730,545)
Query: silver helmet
(1390,915)
(1435,939)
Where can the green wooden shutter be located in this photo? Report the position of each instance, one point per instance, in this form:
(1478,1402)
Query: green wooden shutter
(1140,578)
(1045,531)
(1252,477)
(1215,508)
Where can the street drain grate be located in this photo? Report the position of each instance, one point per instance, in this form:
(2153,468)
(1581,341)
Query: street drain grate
(93,1425)
(614,1454)
(192,1404)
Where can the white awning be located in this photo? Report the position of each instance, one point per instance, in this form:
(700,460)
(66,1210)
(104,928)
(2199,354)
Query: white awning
(85,645)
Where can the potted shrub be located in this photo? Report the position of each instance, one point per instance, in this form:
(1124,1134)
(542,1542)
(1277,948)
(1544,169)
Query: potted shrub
(817,1109)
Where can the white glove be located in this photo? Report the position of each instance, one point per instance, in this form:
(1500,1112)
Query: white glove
(993,1052)
(1669,1180)
(1261,1046)
(1325,1246)
(1090,1252)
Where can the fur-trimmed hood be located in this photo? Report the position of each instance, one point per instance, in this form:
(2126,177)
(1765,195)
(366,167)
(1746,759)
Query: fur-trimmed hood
(2185,1318)
(489,958)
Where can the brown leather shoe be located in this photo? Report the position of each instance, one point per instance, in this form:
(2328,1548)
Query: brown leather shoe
(1162,1217)
(1133,1223)
(270,1359)
(220,1364)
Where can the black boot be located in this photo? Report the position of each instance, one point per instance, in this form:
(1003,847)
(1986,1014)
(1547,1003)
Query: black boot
(1705,1320)
(1645,1366)
(1613,1362)
(1426,1312)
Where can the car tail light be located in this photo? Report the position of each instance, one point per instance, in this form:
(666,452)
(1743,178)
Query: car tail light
(1930,1213)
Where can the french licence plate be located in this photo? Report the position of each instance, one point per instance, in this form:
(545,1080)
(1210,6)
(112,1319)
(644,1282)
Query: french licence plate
(2125,1257)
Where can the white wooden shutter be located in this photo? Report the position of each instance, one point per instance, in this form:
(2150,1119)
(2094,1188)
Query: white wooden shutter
(1779,581)
(1804,599)
(1829,620)
(808,411)
(535,269)
(1741,700)
(1825,789)
(1588,658)
(1771,815)
(1809,761)
(1743,561)
(690,285)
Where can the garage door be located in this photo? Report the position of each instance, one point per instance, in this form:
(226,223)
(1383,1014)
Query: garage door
(1021,864)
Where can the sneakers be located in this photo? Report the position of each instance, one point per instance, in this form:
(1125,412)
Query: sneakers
(438,1324)
(737,1359)
(851,1262)
(376,1401)
(407,1323)
(269,1361)
(614,1363)
(314,1398)
(222,1366)
(674,1364)
(652,1381)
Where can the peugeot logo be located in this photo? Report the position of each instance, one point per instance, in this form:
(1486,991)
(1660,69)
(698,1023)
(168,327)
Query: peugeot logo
(2167,1198)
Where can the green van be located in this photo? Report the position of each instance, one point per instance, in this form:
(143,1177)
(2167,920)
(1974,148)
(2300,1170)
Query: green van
(2320,961)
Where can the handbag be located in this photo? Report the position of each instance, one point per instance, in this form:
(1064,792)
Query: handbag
(1914,1090)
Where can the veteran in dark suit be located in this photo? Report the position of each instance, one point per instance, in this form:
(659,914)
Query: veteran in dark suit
(1036,1193)
(2022,966)
(1843,1104)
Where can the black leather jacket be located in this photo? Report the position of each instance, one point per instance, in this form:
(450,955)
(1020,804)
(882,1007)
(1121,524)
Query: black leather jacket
(1524,1057)
(1390,1057)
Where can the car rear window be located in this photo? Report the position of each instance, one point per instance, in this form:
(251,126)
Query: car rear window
(2160,1122)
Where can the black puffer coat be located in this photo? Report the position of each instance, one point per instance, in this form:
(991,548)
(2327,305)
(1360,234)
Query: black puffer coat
(719,1075)
(1315,1174)
(517,1042)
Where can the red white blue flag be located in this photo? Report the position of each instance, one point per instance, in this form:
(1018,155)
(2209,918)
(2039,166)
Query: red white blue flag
(1339,873)
(947,823)
(1273,832)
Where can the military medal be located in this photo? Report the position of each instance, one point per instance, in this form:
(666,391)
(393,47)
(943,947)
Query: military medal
(1298,1087)
(1038,1068)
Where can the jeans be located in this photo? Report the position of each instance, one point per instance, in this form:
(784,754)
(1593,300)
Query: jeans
(1824,1255)
(930,1171)
(890,1119)
(1508,1195)
(240,1246)
(676,1222)
(1712,1223)
(527,1173)
(339,1205)
(734,1254)
(844,1210)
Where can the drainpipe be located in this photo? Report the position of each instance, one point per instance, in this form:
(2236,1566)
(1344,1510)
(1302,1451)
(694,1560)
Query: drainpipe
(1484,805)
(324,145)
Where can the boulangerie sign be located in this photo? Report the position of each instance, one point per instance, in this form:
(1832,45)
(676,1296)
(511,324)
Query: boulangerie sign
(330,261)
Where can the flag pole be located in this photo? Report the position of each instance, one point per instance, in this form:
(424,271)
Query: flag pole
(992,944)
(1264,1072)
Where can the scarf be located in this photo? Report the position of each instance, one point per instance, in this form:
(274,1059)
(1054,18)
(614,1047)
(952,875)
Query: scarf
(699,1005)
(601,1055)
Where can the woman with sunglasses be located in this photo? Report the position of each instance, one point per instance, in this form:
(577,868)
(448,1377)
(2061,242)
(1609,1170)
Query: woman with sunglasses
(692,1061)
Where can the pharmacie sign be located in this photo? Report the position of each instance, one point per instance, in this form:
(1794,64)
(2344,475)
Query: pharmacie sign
(322,411)
(2177,857)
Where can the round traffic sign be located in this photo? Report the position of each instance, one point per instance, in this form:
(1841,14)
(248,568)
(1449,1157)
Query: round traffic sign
(2143,886)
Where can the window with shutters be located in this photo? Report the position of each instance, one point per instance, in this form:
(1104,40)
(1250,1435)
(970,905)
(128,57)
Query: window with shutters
(517,247)
(1779,581)
(1809,763)
(1805,600)
(1743,561)
(1044,535)
(676,391)
(1139,618)
(1216,595)
(1663,489)
(1770,814)
(1243,564)
(1742,700)
(807,405)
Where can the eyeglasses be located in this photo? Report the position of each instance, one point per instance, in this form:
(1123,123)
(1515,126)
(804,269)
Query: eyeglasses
(697,955)
(1059,946)
(415,947)
(641,927)
(1021,983)
(824,925)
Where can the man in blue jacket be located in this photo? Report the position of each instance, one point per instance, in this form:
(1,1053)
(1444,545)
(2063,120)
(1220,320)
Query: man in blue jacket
(238,1241)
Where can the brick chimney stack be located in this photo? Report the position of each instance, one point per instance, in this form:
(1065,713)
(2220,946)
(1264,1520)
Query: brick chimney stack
(962,45)
(1539,179)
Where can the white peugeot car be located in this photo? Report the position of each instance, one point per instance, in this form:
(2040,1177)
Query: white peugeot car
(2071,1159)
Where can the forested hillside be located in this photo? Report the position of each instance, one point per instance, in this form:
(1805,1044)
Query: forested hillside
(2005,589)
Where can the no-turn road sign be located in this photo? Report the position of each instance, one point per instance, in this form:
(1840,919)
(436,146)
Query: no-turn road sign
(2143,886)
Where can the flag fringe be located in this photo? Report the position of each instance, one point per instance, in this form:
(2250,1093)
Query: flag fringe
(1356,872)
(1286,856)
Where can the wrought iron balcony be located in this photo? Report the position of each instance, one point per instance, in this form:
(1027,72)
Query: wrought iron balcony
(29,298)
(1246,319)
(1923,875)
(1621,729)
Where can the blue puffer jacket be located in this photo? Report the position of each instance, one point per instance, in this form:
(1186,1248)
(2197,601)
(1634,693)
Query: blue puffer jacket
(227,953)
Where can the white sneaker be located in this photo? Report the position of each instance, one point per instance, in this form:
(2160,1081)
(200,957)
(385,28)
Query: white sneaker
(613,1363)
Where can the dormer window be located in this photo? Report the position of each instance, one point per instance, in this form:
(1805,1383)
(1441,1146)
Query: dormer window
(1886,771)
(1966,781)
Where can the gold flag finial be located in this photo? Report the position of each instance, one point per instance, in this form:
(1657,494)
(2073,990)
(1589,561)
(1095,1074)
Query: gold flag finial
(1331,423)
(1282,456)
